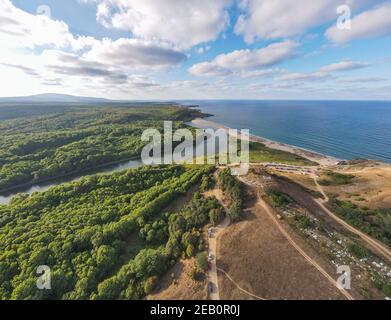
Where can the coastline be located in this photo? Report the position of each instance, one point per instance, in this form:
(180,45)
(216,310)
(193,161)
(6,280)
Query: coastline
(323,160)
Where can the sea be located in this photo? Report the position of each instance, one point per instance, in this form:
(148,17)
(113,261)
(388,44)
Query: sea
(342,129)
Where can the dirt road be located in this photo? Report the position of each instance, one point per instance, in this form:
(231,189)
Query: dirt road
(212,273)
(265,206)
(372,243)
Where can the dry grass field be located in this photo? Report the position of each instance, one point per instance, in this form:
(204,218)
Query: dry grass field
(370,187)
(178,285)
(260,260)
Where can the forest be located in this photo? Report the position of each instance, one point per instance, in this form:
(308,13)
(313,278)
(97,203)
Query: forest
(38,148)
(104,236)
(233,192)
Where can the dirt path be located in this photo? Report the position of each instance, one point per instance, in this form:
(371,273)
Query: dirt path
(320,189)
(238,286)
(212,273)
(301,251)
(372,243)
(264,205)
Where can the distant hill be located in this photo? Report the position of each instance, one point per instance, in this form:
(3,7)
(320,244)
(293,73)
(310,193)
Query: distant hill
(50,103)
(53,98)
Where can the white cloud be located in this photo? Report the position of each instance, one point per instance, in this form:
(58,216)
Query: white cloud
(324,72)
(112,62)
(273,19)
(19,29)
(54,56)
(134,53)
(184,23)
(71,65)
(263,73)
(39,54)
(364,80)
(344,66)
(209,69)
(369,24)
(299,76)
(244,60)
(270,55)
(265,19)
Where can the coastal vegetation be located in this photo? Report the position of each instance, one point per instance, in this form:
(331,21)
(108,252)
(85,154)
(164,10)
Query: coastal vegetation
(332,178)
(261,153)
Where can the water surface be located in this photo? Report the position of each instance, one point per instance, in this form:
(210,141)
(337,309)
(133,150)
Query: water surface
(343,129)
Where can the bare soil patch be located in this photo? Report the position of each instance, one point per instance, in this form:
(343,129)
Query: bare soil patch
(178,285)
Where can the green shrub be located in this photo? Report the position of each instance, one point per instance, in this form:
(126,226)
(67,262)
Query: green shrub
(336,179)
(358,251)
(202,261)
(277,198)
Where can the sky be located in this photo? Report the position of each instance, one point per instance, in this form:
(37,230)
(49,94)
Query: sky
(197,49)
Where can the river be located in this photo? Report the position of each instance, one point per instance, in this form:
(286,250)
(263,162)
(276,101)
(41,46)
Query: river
(41,187)
(129,164)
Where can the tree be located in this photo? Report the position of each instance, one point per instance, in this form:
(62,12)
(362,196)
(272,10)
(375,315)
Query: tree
(109,289)
(190,251)
(202,261)
(235,211)
(207,183)
(150,284)
(216,215)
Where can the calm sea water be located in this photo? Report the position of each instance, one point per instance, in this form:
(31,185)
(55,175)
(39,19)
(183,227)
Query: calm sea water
(343,129)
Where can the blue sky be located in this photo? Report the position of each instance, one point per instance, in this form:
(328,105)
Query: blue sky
(197,49)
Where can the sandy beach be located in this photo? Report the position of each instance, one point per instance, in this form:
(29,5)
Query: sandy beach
(323,160)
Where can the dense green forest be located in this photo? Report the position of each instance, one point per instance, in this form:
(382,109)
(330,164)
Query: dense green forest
(34,149)
(104,237)
(233,192)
